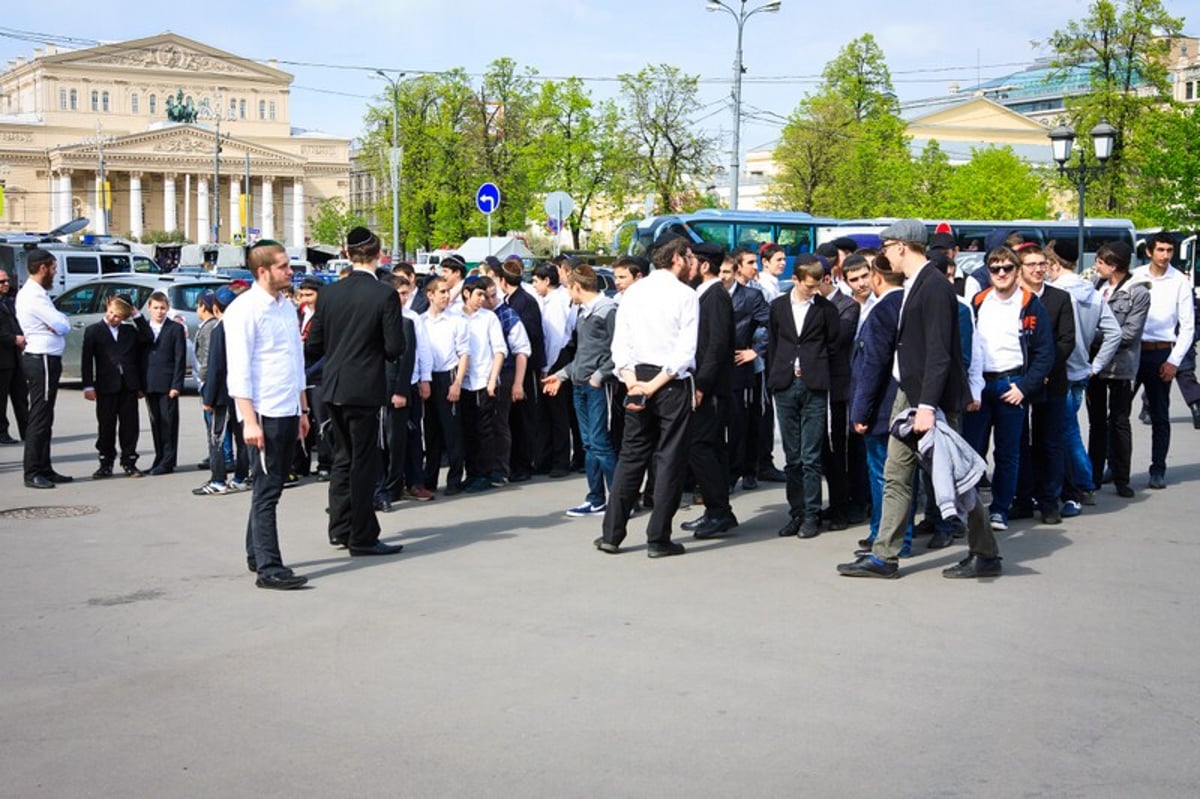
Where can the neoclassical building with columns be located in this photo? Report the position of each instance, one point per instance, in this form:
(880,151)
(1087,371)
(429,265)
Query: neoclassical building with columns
(68,117)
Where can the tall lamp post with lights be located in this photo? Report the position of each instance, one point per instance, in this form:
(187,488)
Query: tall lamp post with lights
(394,161)
(1062,140)
(740,15)
(207,111)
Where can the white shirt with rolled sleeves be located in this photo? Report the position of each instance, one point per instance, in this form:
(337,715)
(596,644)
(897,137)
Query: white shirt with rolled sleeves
(447,335)
(657,324)
(423,365)
(45,327)
(1172,311)
(263,351)
(485,338)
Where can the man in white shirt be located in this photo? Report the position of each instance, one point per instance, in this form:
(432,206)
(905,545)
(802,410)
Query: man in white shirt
(1166,339)
(45,330)
(480,421)
(654,353)
(266,383)
(554,450)
(450,352)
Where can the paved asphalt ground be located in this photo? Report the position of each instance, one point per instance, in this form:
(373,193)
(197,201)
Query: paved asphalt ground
(501,655)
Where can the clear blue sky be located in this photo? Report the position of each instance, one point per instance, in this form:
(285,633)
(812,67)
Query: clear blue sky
(927,44)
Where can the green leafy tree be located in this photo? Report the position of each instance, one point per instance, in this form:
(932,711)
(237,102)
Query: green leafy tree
(1168,179)
(671,152)
(932,174)
(331,221)
(503,132)
(994,184)
(860,76)
(812,142)
(1123,48)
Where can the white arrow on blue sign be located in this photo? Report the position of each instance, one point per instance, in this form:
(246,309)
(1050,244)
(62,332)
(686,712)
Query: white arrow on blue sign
(487,199)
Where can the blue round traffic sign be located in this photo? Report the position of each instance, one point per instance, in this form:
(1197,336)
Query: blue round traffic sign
(487,199)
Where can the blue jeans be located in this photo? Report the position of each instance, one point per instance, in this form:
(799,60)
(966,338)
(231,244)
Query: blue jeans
(1078,475)
(876,457)
(1005,421)
(599,459)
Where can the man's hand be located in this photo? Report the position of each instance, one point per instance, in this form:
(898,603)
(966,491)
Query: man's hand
(923,422)
(861,429)
(491,388)
(89,394)
(173,393)
(742,357)
(550,386)
(973,406)
(453,394)
(699,397)
(305,425)
(594,382)
(1013,396)
(20,342)
(423,390)
(1167,371)
(399,401)
(207,408)
(252,433)
(518,392)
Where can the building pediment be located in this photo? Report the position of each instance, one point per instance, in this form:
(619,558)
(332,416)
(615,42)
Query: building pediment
(168,53)
(978,113)
(177,148)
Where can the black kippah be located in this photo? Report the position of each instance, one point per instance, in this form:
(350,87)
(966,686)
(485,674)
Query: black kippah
(358,237)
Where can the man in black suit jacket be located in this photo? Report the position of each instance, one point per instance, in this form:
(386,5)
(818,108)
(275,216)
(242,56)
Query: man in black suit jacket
(393,477)
(164,361)
(523,416)
(708,455)
(357,328)
(835,454)
(12,379)
(111,372)
(931,376)
(801,334)
(750,314)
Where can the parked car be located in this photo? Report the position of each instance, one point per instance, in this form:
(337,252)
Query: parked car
(85,303)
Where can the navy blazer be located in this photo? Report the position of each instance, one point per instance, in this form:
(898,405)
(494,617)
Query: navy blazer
(216,386)
(750,314)
(164,360)
(811,346)
(839,356)
(873,387)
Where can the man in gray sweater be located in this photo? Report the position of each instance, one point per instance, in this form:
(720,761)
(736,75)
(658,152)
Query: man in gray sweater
(591,367)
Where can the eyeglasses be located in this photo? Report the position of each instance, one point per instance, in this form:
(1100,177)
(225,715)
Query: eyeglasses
(1035,265)
(4,282)
(886,244)
(1001,269)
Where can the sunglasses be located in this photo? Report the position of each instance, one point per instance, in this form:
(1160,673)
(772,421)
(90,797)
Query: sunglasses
(1001,269)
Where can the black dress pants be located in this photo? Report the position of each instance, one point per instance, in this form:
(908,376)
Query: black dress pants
(554,428)
(1110,436)
(523,423)
(656,434)
(709,454)
(356,468)
(115,412)
(164,426)
(395,436)
(443,434)
(12,387)
(41,382)
(482,438)
(270,466)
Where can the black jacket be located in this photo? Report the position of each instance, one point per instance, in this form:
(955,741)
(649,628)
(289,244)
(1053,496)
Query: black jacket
(928,344)
(839,357)
(750,314)
(216,386)
(530,312)
(164,360)
(357,328)
(109,365)
(714,343)
(399,371)
(10,354)
(811,345)
(1062,323)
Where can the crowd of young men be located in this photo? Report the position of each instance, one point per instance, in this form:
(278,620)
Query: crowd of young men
(889,376)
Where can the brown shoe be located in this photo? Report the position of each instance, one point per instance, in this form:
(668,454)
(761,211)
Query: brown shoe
(419,493)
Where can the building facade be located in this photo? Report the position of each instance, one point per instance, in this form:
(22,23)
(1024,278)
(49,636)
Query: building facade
(94,133)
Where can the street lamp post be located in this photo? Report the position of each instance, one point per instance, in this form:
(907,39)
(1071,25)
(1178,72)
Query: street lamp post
(102,193)
(740,16)
(207,112)
(1062,139)
(394,160)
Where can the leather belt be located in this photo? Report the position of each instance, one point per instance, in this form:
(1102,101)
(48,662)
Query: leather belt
(1158,345)
(1001,375)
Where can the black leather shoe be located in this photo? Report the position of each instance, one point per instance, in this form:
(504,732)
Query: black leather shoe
(869,566)
(7,439)
(791,528)
(132,471)
(55,477)
(665,550)
(281,581)
(1123,490)
(749,482)
(772,475)
(939,541)
(379,548)
(1195,406)
(160,470)
(837,521)
(973,566)
(520,477)
(715,526)
(866,543)
(38,481)
(1052,516)
(204,465)
(1020,511)
(1156,481)
(340,543)
(383,506)
(695,524)
(811,528)
(604,546)
(105,470)
(924,527)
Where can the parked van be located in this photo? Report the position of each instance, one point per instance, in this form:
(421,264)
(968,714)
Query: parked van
(75,264)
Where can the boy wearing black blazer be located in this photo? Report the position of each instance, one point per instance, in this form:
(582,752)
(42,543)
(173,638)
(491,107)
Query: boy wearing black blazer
(163,368)
(111,372)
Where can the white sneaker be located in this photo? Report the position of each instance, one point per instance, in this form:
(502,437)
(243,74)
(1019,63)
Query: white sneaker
(998,521)
(211,488)
(587,509)
(238,485)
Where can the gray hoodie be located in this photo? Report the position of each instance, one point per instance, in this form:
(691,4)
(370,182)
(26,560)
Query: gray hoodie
(1092,314)
(953,465)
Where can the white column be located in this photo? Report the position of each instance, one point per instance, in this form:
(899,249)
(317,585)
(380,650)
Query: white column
(187,206)
(99,219)
(298,213)
(135,204)
(268,208)
(235,211)
(170,221)
(203,225)
(62,198)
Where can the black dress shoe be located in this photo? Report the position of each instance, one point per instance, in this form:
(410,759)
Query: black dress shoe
(869,566)
(1052,516)
(132,471)
(665,550)
(55,477)
(38,481)
(1020,510)
(694,524)
(558,474)
(383,506)
(772,475)
(1195,406)
(939,541)
(837,521)
(604,546)
(811,528)
(105,470)
(1123,490)
(160,470)
(973,566)
(520,477)
(281,581)
(1157,481)
(923,527)
(715,526)
(204,465)
(378,548)
(749,482)
(340,543)
(791,528)
(7,439)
